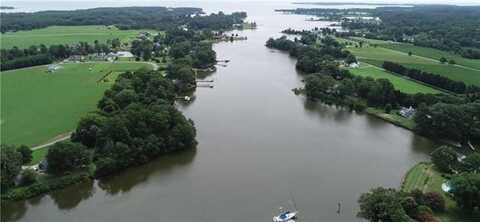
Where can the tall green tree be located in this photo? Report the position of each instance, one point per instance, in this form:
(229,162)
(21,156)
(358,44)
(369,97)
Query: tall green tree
(11,165)
(26,154)
(471,163)
(66,156)
(466,190)
(445,158)
(381,204)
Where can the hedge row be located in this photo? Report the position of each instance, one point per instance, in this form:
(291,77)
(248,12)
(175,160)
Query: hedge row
(38,188)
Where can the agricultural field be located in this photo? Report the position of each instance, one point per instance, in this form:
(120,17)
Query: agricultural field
(426,178)
(66,35)
(38,106)
(433,54)
(400,83)
(424,59)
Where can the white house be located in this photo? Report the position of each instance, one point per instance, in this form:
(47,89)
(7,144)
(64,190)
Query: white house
(124,54)
(407,112)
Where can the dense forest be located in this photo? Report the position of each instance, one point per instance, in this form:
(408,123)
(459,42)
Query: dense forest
(158,18)
(454,28)
(136,123)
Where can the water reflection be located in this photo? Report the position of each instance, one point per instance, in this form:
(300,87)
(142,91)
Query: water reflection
(421,144)
(163,166)
(71,196)
(13,211)
(338,113)
(36,200)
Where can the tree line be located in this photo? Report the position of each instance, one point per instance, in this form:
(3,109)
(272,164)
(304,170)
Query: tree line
(444,27)
(450,28)
(430,78)
(452,121)
(158,18)
(15,58)
(122,17)
(312,59)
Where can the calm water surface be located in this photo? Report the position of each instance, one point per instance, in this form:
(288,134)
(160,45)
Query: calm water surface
(259,145)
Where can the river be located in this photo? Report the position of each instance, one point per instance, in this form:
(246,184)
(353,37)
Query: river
(260,145)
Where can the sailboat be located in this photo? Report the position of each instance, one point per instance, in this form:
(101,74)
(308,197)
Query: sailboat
(286,215)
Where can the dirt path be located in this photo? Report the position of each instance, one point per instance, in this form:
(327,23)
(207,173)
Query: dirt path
(55,140)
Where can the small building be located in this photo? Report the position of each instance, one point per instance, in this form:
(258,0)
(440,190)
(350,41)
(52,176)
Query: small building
(124,54)
(352,65)
(53,67)
(76,58)
(407,112)
(110,57)
(43,165)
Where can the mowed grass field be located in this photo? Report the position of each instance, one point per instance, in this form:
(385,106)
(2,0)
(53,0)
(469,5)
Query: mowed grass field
(38,106)
(425,177)
(65,35)
(377,55)
(433,54)
(400,83)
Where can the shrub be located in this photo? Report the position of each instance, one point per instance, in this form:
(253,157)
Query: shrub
(359,106)
(28,177)
(26,154)
(43,187)
(435,201)
(444,158)
(67,156)
(388,108)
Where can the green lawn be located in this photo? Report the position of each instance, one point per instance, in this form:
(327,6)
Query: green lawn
(426,178)
(38,155)
(65,35)
(420,60)
(38,106)
(400,83)
(433,54)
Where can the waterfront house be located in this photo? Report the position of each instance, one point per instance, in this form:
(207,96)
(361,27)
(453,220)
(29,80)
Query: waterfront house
(407,112)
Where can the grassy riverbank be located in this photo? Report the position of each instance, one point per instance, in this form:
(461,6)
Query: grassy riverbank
(392,117)
(425,177)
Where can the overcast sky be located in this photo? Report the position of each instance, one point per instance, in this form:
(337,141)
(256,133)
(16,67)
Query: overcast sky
(369,1)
